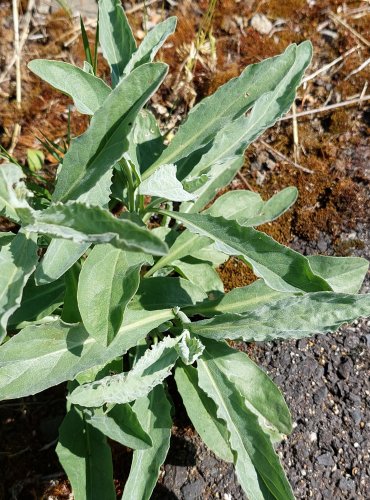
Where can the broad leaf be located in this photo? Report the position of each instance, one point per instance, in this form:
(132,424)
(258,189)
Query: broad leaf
(257,466)
(227,104)
(152,42)
(88,224)
(86,457)
(164,184)
(248,208)
(202,411)
(86,170)
(17,262)
(200,273)
(260,393)
(282,268)
(107,284)
(120,424)
(151,369)
(115,37)
(87,91)
(154,413)
(293,318)
(39,357)
(344,274)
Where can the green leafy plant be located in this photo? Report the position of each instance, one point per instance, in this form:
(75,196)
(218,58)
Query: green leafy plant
(114,308)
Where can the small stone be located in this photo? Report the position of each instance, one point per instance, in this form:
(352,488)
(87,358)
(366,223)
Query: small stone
(322,245)
(346,484)
(344,369)
(260,23)
(194,490)
(320,395)
(325,459)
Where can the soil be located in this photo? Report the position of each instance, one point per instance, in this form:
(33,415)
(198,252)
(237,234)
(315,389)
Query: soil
(325,379)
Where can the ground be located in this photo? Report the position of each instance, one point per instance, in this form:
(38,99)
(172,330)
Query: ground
(324,379)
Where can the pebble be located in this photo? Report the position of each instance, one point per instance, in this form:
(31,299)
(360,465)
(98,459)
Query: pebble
(194,490)
(325,459)
(260,23)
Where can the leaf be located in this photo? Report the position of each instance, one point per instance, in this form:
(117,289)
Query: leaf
(185,244)
(248,208)
(12,191)
(17,262)
(38,301)
(200,273)
(202,412)
(154,413)
(59,257)
(120,424)
(191,184)
(282,268)
(88,224)
(87,91)
(107,284)
(71,313)
(344,274)
(6,237)
(35,159)
(92,155)
(227,104)
(115,37)
(164,184)
(152,42)
(163,293)
(151,369)
(262,396)
(239,300)
(190,348)
(293,318)
(39,357)
(86,457)
(257,466)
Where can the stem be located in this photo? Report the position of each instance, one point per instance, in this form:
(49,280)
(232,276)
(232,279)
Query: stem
(131,186)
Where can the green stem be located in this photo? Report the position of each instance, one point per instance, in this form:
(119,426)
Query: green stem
(131,186)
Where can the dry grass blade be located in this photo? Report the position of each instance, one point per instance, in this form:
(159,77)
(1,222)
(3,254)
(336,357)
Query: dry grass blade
(360,68)
(344,23)
(280,155)
(325,68)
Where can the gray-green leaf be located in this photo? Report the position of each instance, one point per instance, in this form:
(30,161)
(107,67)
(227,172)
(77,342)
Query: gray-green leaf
(164,184)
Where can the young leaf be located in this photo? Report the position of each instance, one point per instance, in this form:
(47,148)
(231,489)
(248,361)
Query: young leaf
(344,274)
(257,466)
(260,393)
(17,262)
(152,42)
(93,154)
(190,348)
(39,357)
(12,191)
(86,457)
(164,184)
(116,38)
(120,424)
(282,268)
(202,411)
(151,369)
(154,414)
(87,91)
(293,318)
(89,224)
(228,103)
(107,284)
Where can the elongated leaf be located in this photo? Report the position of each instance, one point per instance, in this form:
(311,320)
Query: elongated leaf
(202,411)
(38,302)
(200,273)
(295,317)
(39,357)
(86,457)
(87,224)
(239,300)
(344,274)
(260,393)
(282,268)
(17,262)
(163,293)
(93,154)
(154,415)
(152,42)
(59,257)
(71,313)
(107,284)
(151,369)
(257,466)
(122,425)
(248,208)
(87,91)
(185,244)
(164,184)
(115,37)
(228,103)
